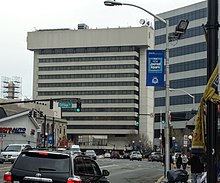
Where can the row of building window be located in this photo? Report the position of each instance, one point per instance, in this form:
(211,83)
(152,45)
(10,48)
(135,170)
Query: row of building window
(188,66)
(89,67)
(100,118)
(89,50)
(88,84)
(71,76)
(189,49)
(186,82)
(85,59)
(191,16)
(124,109)
(104,127)
(192,32)
(67,93)
(178,100)
(105,101)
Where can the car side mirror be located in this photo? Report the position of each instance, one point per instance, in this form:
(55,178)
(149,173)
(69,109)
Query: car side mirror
(105,172)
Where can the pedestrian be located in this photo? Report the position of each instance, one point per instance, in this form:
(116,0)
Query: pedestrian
(197,167)
(184,161)
(179,161)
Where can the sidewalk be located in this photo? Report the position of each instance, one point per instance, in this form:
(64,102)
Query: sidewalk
(164,180)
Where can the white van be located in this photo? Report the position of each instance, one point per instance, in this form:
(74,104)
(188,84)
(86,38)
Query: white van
(12,151)
(75,149)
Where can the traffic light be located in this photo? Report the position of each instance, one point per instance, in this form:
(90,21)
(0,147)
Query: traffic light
(51,104)
(137,120)
(78,106)
(34,114)
(163,122)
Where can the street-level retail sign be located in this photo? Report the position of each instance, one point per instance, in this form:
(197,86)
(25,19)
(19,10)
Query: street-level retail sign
(65,104)
(155,68)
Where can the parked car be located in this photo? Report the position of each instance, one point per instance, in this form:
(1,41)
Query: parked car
(49,166)
(91,154)
(11,152)
(155,156)
(136,155)
(126,155)
(115,154)
(107,155)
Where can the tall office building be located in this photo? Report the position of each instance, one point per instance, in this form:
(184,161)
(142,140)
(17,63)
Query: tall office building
(188,73)
(106,69)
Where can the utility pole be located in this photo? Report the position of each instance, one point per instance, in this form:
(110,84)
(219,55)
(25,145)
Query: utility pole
(53,138)
(45,125)
(212,117)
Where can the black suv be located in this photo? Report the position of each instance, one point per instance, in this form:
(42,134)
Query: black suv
(36,166)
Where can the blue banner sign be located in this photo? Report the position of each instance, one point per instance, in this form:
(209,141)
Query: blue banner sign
(155,68)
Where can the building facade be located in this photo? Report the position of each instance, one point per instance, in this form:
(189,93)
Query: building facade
(188,70)
(106,70)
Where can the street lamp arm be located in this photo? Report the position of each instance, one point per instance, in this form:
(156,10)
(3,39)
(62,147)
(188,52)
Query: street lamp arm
(155,16)
(115,3)
(184,91)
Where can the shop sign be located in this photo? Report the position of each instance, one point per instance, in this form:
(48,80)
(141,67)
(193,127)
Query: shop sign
(12,130)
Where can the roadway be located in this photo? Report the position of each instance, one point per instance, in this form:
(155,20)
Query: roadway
(126,171)
(121,170)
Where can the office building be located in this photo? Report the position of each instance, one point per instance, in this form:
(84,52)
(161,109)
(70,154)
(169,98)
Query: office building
(188,73)
(106,70)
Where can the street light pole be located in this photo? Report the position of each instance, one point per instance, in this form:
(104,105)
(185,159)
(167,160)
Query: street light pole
(167,124)
(184,91)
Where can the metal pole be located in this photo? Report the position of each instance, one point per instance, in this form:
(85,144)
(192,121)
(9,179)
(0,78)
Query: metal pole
(212,117)
(53,125)
(45,125)
(167,123)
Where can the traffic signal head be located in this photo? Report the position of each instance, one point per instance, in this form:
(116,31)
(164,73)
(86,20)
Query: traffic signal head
(34,114)
(137,120)
(163,121)
(41,114)
(51,104)
(78,106)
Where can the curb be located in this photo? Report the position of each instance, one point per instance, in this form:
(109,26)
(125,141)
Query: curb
(160,179)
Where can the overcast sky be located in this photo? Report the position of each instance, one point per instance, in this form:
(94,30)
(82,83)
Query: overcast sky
(22,16)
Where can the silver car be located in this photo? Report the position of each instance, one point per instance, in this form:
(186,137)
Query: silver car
(136,155)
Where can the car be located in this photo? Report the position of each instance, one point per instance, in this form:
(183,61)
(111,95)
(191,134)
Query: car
(50,166)
(11,152)
(136,155)
(126,155)
(155,156)
(115,155)
(107,155)
(91,154)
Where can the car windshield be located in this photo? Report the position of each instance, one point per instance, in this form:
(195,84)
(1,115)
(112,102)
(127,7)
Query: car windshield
(14,148)
(75,149)
(43,162)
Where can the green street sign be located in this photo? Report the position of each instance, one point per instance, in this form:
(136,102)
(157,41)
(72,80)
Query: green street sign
(65,104)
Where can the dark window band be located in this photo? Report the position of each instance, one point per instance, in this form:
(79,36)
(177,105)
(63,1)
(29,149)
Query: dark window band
(88,84)
(104,127)
(85,59)
(112,92)
(70,76)
(90,67)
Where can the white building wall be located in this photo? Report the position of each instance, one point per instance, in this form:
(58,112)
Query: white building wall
(142,37)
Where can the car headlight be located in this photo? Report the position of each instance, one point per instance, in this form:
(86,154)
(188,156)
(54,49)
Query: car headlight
(14,156)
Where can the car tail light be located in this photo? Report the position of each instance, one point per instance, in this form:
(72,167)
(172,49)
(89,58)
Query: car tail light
(7,177)
(74,180)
